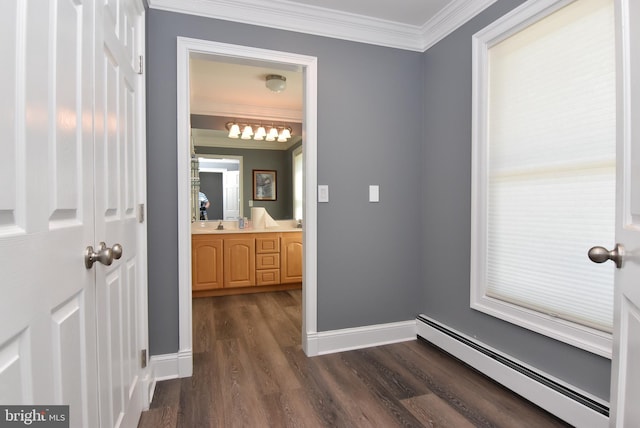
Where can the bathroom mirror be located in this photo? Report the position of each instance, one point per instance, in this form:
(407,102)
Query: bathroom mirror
(226,178)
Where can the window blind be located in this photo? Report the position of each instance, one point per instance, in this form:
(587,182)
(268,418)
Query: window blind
(551,164)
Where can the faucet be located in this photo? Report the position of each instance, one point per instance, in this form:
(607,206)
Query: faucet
(220,226)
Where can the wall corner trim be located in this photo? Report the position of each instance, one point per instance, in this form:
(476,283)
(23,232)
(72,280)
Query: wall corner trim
(329,342)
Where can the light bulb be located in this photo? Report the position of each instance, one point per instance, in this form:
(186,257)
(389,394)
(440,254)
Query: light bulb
(272,135)
(247,133)
(234,131)
(260,133)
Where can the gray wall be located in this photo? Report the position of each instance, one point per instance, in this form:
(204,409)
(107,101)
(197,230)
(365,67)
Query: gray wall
(369,132)
(377,263)
(446,205)
(278,160)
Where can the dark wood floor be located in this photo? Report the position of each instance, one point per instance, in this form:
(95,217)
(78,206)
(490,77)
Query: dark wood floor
(250,371)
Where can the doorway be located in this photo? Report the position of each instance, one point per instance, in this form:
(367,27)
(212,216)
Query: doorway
(235,53)
(221,182)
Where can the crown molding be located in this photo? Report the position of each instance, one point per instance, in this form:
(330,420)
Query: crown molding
(291,16)
(449,19)
(246,111)
(285,15)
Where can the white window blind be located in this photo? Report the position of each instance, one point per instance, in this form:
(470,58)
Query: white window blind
(550,185)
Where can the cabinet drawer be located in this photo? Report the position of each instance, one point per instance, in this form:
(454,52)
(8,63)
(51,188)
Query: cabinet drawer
(268,261)
(267,243)
(268,277)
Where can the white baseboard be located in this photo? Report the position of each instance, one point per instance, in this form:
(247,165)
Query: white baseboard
(556,403)
(329,342)
(172,366)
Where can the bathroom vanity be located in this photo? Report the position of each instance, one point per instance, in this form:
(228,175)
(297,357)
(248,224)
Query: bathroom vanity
(238,261)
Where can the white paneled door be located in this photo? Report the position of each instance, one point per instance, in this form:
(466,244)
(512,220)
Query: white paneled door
(68,142)
(625,384)
(116,174)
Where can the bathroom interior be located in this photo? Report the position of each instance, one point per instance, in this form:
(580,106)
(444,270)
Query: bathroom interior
(246,176)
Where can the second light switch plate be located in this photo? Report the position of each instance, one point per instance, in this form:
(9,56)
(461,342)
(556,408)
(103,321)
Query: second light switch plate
(323,193)
(374,193)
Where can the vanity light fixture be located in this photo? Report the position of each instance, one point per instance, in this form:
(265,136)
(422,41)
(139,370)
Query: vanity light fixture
(258,132)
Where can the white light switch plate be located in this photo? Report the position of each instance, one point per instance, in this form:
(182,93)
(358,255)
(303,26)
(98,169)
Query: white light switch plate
(323,193)
(374,193)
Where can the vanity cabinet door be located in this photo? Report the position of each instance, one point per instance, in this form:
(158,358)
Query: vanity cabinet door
(240,261)
(206,266)
(291,257)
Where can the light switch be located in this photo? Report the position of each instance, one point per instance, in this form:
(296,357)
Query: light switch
(323,193)
(374,193)
(250,202)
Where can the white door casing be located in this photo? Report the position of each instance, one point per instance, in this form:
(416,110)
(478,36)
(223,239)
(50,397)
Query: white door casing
(185,48)
(48,347)
(118,304)
(625,377)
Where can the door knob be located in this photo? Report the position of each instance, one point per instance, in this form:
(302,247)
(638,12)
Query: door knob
(104,254)
(601,255)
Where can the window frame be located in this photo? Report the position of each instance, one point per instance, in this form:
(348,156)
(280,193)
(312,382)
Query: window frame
(583,337)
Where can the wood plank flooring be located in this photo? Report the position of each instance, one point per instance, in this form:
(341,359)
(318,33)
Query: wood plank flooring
(250,371)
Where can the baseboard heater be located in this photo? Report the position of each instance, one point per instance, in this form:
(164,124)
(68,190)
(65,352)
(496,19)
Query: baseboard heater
(559,388)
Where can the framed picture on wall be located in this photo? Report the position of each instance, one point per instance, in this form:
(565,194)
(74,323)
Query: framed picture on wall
(264,185)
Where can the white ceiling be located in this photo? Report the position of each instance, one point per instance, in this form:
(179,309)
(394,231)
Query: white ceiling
(238,90)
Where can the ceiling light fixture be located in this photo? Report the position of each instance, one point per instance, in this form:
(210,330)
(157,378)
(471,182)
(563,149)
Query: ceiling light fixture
(258,132)
(276,82)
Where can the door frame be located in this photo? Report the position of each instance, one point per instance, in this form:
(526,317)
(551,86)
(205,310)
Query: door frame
(185,47)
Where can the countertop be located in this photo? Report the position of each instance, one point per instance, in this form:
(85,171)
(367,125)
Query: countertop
(210,227)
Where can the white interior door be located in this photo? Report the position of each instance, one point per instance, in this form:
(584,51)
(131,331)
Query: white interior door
(625,378)
(47,308)
(118,44)
(231,192)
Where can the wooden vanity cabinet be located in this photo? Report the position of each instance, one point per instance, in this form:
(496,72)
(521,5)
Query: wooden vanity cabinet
(239,261)
(291,257)
(234,263)
(206,266)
